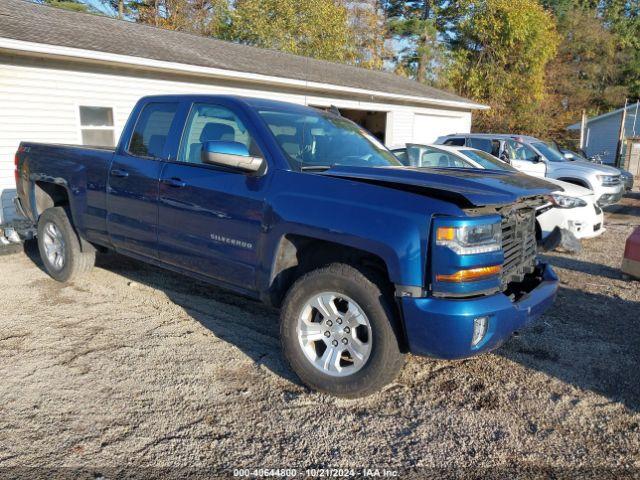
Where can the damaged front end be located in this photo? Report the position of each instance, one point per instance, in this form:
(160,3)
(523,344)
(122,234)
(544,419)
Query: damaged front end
(520,267)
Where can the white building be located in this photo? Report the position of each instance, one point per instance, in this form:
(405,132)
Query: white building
(55,65)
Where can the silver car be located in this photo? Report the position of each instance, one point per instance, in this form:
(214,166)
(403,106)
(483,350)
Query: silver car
(627,177)
(535,157)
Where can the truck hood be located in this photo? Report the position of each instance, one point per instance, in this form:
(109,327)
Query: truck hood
(570,189)
(467,187)
(590,167)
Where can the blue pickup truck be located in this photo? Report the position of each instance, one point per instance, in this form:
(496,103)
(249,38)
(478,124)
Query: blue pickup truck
(368,260)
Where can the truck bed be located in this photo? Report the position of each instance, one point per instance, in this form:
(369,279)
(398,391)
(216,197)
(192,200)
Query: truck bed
(83,170)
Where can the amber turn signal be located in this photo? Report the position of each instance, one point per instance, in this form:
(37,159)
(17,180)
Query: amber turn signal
(470,275)
(445,233)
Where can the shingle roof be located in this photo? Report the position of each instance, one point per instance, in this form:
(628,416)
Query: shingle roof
(26,21)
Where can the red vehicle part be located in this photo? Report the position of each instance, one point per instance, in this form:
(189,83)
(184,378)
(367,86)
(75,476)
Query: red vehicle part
(631,260)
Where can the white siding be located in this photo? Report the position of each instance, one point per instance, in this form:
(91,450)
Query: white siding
(40,99)
(399,128)
(428,127)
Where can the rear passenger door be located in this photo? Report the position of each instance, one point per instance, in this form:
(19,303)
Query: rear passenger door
(492,147)
(132,189)
(210,217)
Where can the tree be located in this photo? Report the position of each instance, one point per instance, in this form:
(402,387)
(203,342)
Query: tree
(204,17)
(414,27)
(623,16)
(314,28)
(366,21)
(73,5)
(499,53)
(585,74)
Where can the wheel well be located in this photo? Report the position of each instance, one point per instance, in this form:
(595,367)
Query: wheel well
(576,181)
(297,255)
(49,195)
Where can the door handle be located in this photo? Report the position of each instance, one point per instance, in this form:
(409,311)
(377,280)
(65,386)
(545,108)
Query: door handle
(174,182)
(119,173)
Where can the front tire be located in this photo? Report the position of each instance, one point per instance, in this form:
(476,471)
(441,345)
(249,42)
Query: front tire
(59,246)
(340,332)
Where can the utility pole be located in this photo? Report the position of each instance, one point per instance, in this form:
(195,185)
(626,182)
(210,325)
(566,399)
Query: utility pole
(583,130)
(120,9)
(621,135)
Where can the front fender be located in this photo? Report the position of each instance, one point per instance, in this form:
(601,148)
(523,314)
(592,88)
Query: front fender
(391,224)
(570,176)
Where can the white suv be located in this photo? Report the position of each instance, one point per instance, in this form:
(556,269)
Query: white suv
(535,157)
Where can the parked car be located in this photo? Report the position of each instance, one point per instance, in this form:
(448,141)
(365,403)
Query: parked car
(571,207)
(631,259)
(627,177)
(305,210)
(535,157)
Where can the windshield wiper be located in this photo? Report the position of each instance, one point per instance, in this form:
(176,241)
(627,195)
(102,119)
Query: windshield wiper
(318,168)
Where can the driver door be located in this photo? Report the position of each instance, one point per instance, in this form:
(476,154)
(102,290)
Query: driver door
(210,217)
(525,159)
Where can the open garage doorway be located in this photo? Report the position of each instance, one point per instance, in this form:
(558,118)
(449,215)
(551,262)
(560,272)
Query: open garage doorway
(374,122)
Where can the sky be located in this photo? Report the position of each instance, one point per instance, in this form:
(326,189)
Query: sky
(98,5)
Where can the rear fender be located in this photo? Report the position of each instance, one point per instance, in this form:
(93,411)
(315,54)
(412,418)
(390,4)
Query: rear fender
(40,200)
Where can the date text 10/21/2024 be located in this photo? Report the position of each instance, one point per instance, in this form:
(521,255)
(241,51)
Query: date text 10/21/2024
(316,472)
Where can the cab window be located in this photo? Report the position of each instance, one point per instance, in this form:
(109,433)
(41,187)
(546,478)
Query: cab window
(519,151)
(152,129)
(209,123)
(483,144)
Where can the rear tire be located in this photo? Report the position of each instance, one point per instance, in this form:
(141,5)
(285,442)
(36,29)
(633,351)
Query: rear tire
(59,246)
(351,350)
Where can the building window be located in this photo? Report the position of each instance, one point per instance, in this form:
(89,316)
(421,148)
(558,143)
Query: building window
(96,126)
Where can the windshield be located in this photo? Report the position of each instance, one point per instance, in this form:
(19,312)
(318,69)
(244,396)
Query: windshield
(312,140)
(487,161)
(549,152)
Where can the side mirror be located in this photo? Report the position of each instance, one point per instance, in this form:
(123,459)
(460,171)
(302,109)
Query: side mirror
(536,159)
(568,156)
(233,155)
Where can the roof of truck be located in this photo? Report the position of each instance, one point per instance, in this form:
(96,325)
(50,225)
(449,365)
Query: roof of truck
(499,136)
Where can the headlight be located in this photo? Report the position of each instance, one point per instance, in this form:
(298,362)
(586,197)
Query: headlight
(609,180)
(563,201)
(471,239)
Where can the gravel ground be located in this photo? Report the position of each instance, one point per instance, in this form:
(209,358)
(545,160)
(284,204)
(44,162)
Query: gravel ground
(135,369)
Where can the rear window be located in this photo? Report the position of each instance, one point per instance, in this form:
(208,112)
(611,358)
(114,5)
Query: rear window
(152,129)
(487,161)
(484,144)
(455,142)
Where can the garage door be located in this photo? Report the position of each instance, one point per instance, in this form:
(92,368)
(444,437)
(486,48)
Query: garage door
(426,128)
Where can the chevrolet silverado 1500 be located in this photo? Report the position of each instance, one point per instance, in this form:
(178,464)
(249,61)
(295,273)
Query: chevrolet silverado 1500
(303,209)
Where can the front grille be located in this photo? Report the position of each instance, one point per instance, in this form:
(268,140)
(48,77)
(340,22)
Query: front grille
(518,244)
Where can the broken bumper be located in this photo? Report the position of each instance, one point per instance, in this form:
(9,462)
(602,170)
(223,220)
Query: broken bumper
(443,328)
